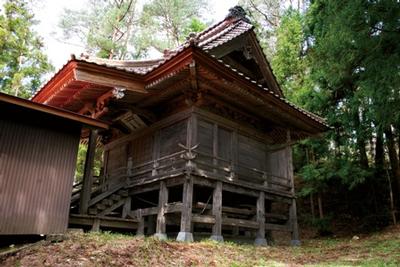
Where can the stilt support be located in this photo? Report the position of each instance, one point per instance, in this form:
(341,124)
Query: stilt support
(294,226)
(217,212)
(186,216)
(260,237)
(140,229)
(162,202)
(88,173)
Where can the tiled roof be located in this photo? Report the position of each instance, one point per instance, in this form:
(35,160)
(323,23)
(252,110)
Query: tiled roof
(212,37)
(135,66)
(305,112)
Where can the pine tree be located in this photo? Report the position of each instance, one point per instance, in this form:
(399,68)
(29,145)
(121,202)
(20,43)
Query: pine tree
(22,61)
(171,20)
(106,28)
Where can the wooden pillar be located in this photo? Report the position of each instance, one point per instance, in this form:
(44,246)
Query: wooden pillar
(293,223)
(292,210)
(185,233)
(88,173)
(162,202)
(215,147)
(234,163)
(217,212)
(156,153)
(96,225)
(127,207)
(260,237)
(140,229)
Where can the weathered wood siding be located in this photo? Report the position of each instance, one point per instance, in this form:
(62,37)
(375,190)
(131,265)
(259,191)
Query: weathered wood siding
(37,165)
(277,164)
(242,151)
(141,149)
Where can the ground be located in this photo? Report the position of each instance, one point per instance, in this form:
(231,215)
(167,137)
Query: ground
(107,249)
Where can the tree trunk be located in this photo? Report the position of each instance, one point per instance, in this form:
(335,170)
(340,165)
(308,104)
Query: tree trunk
(394,160)
(379,152)
(321,211)
(361,142)
(312,205)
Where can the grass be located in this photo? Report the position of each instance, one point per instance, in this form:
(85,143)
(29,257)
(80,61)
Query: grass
(108,249)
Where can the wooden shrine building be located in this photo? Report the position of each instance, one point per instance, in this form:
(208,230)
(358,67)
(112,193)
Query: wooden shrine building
(199,140)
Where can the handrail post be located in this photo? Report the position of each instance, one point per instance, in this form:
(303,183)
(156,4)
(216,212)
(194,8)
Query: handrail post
(189,156)
(265,177)
(154,171)
(232,170)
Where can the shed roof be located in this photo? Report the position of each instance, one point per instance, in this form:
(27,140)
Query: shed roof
(54,111)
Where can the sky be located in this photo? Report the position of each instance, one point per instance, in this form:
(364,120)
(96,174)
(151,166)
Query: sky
(48,12)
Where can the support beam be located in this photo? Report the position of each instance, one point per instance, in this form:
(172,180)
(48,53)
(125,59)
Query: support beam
(96,225)
(185,233)
(140,229)
(88,173)
(217,212)
(260,238)
(126,209)
(162,203)
(292,210)
(293,224)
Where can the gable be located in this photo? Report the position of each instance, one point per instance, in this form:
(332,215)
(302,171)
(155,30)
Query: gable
(240,48)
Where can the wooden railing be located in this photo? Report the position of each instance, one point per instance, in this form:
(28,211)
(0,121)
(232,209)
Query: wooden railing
(202,163)
(162,166)
(233,171)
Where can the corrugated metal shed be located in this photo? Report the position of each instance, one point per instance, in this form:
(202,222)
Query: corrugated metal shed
(38,153)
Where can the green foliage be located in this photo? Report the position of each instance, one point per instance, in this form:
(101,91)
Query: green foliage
(171,20)
(106,28)
(119,30)
(80,163)
(341,60)
(194,26)
(22,61)
(289,63)
(266,17)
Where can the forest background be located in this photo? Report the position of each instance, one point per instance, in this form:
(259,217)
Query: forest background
(338,59)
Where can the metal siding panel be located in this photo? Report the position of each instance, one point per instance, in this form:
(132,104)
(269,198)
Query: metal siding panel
(37,166)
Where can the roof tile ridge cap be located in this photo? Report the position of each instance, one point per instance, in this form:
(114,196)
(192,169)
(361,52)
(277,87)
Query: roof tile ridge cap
(305,112)
(232,22)
(218,34)
(215,30)
(199,35)
(172,55)
(226,41)
(210,28)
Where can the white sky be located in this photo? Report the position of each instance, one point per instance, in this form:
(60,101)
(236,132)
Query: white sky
(48,12)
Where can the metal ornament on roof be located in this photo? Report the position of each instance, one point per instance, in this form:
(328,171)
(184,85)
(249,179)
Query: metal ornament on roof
(118,92)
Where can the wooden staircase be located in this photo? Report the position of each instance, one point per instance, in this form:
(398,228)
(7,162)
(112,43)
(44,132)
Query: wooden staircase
(109,208)
(109,204)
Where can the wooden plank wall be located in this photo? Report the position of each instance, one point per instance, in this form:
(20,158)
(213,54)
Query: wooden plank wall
(232,145)
(277,164)
(143,147)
